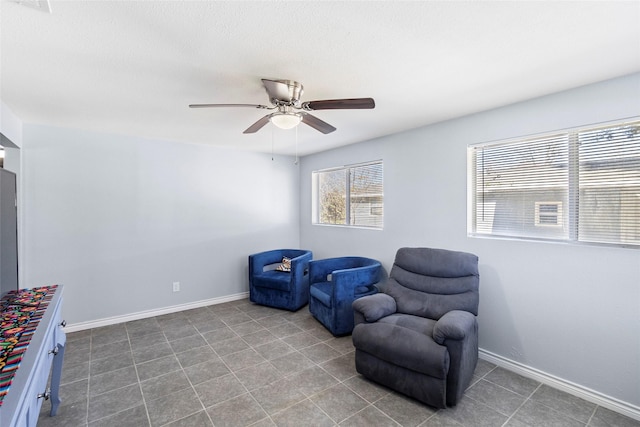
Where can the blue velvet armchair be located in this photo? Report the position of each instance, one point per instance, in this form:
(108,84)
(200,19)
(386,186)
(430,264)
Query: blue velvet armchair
(334,284)
(280,289)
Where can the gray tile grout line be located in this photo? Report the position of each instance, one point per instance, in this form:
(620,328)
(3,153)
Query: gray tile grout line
(204,408)
(529,398)
(287,319)
(236,377)
(526,398)
(522,404)
(173,353)
(86,418)
(439,410)
(266,361)
(182,369)
(593,414)
(297,350)
(555,411)
(89,382)
(139,382)
(231,371)
(369,403)
(320,391)
(135,366)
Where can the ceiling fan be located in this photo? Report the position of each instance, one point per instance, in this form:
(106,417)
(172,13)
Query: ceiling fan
(284,96)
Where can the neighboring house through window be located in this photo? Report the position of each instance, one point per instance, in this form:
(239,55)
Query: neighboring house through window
(580,185)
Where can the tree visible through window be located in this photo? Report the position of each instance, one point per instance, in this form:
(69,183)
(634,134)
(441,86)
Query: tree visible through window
(351,195)
(333,197)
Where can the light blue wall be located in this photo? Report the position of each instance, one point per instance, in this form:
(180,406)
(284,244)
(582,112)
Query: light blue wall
(118,219)
(569,311)
(10,127)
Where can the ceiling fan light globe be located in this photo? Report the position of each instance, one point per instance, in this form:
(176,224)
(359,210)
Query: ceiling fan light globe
(286,121)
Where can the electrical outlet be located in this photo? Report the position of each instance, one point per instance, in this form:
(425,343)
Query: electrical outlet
(176,286)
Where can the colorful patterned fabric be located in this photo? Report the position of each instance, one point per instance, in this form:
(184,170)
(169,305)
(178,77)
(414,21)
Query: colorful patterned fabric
(285,266)
(20,313)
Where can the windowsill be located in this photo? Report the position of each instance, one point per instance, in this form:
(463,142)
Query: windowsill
(552,241)
(359,227)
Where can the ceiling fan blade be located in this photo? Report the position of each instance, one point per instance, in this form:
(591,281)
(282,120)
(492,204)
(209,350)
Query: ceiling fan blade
(283,90)
(258,125)
(317,124)
(226,105)
(340,104)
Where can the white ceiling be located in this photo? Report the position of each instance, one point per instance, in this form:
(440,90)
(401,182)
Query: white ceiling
(132,67)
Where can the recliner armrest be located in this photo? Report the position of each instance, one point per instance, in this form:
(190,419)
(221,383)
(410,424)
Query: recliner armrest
(454,325)
(374,307)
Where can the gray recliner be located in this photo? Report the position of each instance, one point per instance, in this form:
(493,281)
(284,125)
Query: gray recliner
(420,336)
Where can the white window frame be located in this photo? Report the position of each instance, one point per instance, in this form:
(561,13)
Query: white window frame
(377,216)
(601,176)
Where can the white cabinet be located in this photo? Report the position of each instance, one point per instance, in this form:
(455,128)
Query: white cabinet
(29,388)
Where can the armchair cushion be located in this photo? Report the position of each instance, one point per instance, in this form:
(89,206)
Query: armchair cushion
(273,279)
(415,323)
(403,347)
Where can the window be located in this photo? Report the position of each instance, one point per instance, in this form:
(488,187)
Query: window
(581,185)
(548,214)
(351,195)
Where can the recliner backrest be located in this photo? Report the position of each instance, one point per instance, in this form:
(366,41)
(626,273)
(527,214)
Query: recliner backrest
(431,282)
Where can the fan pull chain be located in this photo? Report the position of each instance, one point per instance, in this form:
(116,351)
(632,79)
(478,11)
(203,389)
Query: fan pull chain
(272,141)
(296,162)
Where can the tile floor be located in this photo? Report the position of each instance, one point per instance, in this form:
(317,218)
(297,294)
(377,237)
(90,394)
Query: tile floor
(239,364)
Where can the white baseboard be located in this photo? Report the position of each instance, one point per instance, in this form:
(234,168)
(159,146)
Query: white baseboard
(75,327)
(587,394)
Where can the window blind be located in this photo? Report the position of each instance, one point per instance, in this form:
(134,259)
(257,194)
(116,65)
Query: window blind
(351,195)
(609,185)
(578,185)
(511,178)
(366,196)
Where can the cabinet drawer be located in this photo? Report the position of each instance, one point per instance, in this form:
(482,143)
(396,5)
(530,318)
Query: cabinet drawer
(59,337)
(36,390)
(21,405)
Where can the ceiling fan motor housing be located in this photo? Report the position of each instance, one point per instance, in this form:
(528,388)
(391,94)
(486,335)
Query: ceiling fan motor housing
(283,91)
